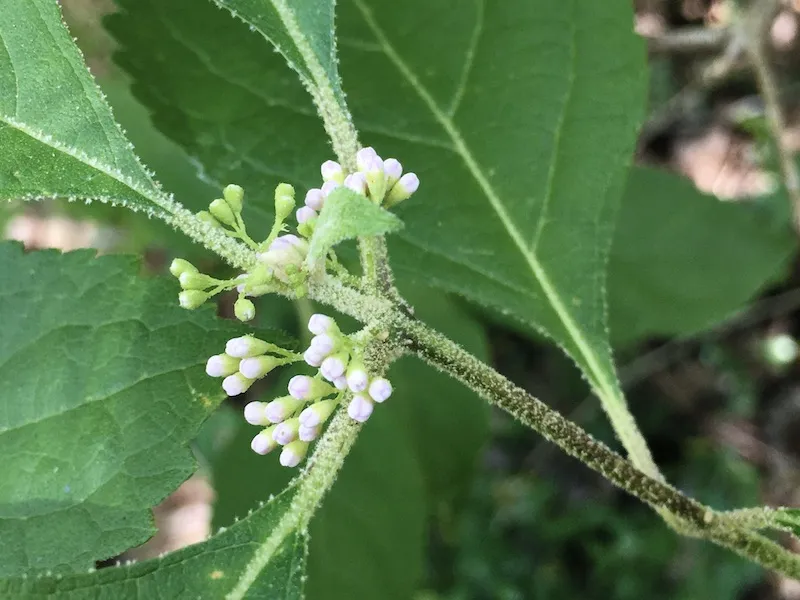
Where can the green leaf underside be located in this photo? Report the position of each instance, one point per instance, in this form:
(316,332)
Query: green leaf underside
(682,260)
(519,119)
(102,385)
(346,216)
(207,570)
(58,135)
(413,458)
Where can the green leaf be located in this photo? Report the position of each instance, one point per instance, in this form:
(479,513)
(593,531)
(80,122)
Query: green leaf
(415,457)
(211,569)
(346,216)
(58,135)
(521,167)
(102,386)
(682,260)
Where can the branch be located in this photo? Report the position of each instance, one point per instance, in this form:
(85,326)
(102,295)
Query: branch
(756,24)
(689,40)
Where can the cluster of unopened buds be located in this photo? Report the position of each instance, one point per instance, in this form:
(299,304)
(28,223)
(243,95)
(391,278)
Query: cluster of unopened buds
(281,256)
(296,420)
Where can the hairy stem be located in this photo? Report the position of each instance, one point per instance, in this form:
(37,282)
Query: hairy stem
(309,489)
(687,515)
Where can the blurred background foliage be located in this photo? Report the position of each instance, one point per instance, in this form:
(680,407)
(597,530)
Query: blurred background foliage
(704,309)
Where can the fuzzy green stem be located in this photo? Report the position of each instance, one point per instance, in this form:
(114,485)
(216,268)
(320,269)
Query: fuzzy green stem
(309,490)
(687,515)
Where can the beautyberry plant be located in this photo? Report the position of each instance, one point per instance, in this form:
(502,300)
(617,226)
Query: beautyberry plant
(105,379)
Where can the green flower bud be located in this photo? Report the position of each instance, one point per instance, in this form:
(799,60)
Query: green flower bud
(244,309)
(284,201)
(222,212)
(191,299)
(195,281)
(307,229)
(208,218)
(234,195)
(180,266)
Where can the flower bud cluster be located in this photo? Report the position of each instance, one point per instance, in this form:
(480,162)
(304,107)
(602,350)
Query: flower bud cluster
(297,419)
(380,180)
(338,359)
(244,361)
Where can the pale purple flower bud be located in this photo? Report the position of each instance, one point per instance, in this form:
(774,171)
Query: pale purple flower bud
(315,199)
(333,366)
(257,367)
(340,383)
(405,186)
(356,182)
(263,442)
(222,365)
(313,358)
(360,408)
(357,378)
(319,324)
(279,409)
(293,453)
(245,347)
(332,171)
(236,384)
(393,170)
(304,387)
(380,389)
(307,434)
(317,413)
(254,413)
(364,158)
(323,344)
(286,432)
(328,187)
(305,214)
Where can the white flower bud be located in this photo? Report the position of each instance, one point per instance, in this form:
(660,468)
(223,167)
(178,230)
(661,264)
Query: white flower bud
(286,432)
(279,409)
(257,367)
(236,384)
(393,170)
(315,199)
(222,365)
(293,453)
(334,366)
(328,187)
(380,389)
(313,358)
(254,413)
(319,324)
(360,408)
(356,182)
(304,387)
(264,443)
(245,347)
(340,383)
(307,434)
(305,214)
(317,413)
(364,158)
(332,171)
(357,378)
